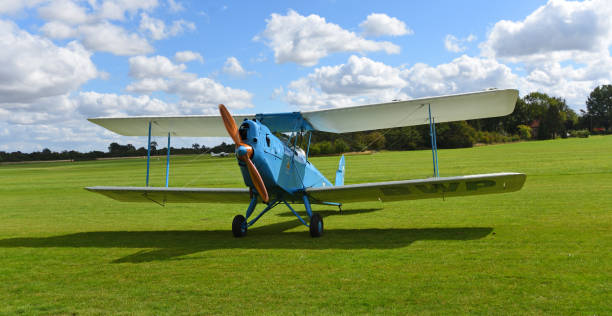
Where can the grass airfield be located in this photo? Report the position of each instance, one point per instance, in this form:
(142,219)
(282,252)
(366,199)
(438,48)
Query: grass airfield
(546,249)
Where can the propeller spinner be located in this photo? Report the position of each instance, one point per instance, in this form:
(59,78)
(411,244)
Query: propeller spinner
(244,152)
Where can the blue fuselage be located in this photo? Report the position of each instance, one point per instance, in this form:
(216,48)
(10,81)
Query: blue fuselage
(284,168)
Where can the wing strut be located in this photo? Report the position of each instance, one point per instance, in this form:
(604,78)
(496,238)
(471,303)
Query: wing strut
(148,154)
(434,145)
(168,161)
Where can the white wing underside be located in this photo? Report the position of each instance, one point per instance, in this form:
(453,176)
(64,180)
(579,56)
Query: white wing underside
(449,108)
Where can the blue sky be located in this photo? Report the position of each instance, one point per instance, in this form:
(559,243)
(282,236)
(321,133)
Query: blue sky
(68,60)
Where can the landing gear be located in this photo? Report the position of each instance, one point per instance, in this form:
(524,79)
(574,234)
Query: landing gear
(239,226)
(316,225)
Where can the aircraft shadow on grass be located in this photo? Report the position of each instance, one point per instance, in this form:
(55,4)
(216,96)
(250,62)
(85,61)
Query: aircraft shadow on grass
(169,245)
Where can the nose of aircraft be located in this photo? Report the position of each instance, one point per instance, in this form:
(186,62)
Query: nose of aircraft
(242,151)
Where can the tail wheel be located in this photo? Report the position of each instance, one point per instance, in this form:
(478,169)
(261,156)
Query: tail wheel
(239,226)
(316,225)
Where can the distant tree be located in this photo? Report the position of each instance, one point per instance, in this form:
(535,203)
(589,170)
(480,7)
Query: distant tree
(553,114)
(551,124)
(226,148)
(325,147)
(455,135)
(526,110)
(114,149)
(524,132)
(599,106)
(340,146)
(374,140)
(404,138)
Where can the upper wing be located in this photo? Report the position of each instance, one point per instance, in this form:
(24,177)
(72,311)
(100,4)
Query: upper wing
(340,120)
(189,126)
(420,189)
(449,108)
(174,195)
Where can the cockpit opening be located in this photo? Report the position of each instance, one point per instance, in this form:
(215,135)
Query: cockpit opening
(243,131)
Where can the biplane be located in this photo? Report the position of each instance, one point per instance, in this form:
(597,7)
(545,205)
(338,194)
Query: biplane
(277,171)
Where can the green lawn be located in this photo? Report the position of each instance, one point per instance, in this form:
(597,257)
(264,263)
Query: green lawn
(546,249)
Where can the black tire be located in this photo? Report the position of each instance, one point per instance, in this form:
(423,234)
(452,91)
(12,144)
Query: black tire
(239,226)
(316,225)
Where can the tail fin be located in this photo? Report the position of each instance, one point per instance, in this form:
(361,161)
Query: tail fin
(340,172)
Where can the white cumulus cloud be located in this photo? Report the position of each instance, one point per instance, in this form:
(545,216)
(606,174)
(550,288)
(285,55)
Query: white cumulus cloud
(187,56)
(93,23)
(306,39)
(153,67)
(158,30)
(107,37)
(456,45)
(233,67)
(65,11)
(363,81)
(557,27)
(463,74)
(197,95)
(563,47)
(34,67)
(378,24)
(117,9)
(94,104)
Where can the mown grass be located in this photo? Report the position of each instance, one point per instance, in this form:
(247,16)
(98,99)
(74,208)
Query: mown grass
(543,250)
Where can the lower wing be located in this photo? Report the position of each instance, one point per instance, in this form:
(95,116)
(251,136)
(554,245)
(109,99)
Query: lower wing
(420,189)
(162,195)
(383,191)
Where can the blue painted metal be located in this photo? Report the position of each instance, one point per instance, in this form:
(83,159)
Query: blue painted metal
(284,122)
(269,207)
(283,166)
(434,147)
(340,172)
(251,206)
(307,205)
(296,214)
(242,150)
(148,154)
(331,203)
(168,162)
(308,148)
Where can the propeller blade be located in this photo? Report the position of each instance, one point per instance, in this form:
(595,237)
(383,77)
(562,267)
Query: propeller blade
(230,124)
(232,130)
(257,180)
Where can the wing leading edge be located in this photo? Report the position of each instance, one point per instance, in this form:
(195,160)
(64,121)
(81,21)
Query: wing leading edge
(383,191)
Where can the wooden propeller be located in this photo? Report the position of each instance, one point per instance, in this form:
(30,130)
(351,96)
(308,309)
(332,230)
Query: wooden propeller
(244,153)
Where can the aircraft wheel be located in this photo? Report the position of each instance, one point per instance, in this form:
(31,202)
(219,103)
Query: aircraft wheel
(316,225)
(239,226)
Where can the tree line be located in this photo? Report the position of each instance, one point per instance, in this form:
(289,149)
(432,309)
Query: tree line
(114,150)
(536,116)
